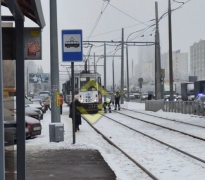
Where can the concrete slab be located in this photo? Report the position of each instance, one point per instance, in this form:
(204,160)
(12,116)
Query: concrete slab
(67,164)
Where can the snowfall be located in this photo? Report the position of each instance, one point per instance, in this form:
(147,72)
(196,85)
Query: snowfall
(88,138)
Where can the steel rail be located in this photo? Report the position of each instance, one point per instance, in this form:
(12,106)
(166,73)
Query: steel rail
(179,150)
(129,157)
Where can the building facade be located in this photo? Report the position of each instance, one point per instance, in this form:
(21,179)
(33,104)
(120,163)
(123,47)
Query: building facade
(197,60)
(180,66)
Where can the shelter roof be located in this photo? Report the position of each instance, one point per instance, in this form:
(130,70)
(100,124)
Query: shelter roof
(32,9)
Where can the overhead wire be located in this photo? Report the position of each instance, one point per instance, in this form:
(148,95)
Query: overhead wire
(98,19)
(127,14)
(147,28)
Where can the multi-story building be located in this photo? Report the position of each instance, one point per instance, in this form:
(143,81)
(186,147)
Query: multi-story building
(179,63)
(197,60)
(145,68)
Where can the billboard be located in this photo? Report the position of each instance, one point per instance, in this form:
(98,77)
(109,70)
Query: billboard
(38,78)
(32,43)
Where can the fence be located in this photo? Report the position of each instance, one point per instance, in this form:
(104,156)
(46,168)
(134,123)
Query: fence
(184,107)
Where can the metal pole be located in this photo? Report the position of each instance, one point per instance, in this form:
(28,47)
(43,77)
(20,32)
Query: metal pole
(128,88)
(2,155)
(170,52)
(20,101)
(55,113)
(94,64)
(28,76)
(122,68)
(113,76)
(105,70)
(73,99)
(158,76)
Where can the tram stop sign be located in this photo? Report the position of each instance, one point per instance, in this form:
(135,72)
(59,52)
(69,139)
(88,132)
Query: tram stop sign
(140,80)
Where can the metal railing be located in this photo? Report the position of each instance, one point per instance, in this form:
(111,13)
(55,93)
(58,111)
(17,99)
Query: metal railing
(184,107)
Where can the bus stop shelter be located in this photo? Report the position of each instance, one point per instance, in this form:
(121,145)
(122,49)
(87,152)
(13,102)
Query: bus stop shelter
(19,9)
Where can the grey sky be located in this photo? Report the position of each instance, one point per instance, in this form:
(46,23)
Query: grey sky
(188,24)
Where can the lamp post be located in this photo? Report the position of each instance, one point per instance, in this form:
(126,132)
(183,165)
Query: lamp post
(28,76)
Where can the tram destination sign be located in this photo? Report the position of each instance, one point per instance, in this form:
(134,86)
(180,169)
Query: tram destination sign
(72,47)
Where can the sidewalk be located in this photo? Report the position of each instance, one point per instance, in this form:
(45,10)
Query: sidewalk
(67,165)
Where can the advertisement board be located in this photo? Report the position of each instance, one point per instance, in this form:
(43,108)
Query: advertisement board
(33,48)
(39,78)
(32,43)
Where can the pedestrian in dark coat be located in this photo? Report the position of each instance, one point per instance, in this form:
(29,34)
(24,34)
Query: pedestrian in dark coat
(117,100)
(77,114)
(149,97)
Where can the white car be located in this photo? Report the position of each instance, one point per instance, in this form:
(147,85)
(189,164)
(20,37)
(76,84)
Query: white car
(144,96)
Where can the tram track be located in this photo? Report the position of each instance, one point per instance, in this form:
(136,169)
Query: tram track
(148,136)
(164,118)
(194,136)
(177,149)
(123,152)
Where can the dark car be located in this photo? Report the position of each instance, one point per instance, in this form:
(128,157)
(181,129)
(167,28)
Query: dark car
(167,97)
(10,126)
(10,131)
(33,126)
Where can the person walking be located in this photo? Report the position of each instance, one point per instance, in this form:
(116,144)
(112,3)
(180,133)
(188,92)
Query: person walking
(117,100)
(77,113)
(47,104)
(61,103)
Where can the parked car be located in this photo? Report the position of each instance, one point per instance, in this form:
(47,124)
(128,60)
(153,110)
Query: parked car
(44,93)
(33,112)
(10,125)
(34,127)
(199,103)
(37,101)
(10,104)
(144,96)
(29,103)
(131,95)
(43,98)
(137,95)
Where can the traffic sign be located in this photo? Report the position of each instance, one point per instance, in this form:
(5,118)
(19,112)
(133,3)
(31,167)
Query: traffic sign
(140,80)
(72,46)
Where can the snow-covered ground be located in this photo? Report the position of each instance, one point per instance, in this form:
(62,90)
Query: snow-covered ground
(87,138)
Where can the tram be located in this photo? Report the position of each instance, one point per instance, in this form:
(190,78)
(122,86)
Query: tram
(87,88)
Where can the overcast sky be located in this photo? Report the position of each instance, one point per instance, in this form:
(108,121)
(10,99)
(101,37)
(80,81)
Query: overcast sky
(188,25)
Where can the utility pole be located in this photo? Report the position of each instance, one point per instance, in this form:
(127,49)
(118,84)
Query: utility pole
(105,70)
(158,76)
(113,76)
(170,52)
(55,113)
(122,68)
(132,68)
(2,150)
(94,64)
(128,88)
